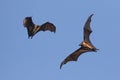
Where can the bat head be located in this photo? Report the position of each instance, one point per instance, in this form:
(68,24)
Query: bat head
(27,22)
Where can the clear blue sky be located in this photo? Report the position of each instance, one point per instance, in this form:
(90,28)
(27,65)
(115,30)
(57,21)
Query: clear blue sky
(39,58)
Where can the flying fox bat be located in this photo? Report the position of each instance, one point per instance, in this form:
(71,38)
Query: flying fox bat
(32,29)
(86,45)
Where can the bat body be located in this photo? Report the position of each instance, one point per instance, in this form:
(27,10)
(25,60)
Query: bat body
(86,45)
(32,29)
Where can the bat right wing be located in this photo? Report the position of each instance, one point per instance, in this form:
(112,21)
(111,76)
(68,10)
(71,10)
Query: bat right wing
(87,29)
(48,26)
(74,56)
(87,32)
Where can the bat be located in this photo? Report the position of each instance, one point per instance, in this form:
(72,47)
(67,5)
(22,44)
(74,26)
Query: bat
(86,45)
(32,29)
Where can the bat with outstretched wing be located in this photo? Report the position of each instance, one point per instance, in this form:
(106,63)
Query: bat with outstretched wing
(86,45)
(32,29)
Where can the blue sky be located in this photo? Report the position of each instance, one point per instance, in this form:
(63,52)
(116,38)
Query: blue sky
(39,58)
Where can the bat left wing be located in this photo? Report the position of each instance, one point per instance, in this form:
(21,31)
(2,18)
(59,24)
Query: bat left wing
(87,32)
(28,23)
(48,26)
(44,27)
(74,56)
(87,29)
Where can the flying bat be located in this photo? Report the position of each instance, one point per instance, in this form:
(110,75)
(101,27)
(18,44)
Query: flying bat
(86,45)
(32,28)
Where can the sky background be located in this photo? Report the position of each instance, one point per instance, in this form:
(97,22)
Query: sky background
(39,58)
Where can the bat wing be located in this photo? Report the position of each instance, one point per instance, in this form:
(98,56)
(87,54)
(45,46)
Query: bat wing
(28,23)
(87,32)
(44,27)
(87,29)
(48,26)
(29,31)
(74,56)
(36,29)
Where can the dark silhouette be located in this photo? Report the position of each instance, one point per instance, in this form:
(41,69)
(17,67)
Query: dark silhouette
(32,29)
(86,45)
